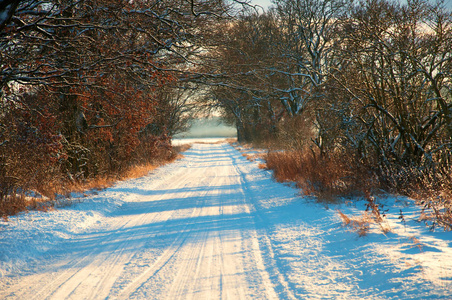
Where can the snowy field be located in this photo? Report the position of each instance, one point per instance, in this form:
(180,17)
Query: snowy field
(214,226)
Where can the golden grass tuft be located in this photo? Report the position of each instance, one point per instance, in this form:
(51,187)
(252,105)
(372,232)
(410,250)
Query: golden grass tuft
(359,224)
(327,177)
(262,166)
(250,157)
(417,243)
(139,171)
(437,206)
(286,166)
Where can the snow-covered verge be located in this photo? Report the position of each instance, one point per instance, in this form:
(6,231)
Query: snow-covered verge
(408,262)
(27,236)
(187,218)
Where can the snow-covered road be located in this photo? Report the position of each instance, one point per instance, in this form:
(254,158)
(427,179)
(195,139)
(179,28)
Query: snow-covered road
(210,226)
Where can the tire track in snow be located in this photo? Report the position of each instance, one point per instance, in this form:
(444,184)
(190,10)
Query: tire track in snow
(264,245)
(169,253)
(191,258)
(205,234)
(197,274)
(75,272)
(88,265)
(90,275)
(206,260)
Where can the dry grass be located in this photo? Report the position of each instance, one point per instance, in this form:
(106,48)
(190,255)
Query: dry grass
(336,175)
(372,215)
(248,146)
(416,243)
(140,170)
(231,140)
(251,152)
(250,156)
(432,191)
(437,210)
(40,204)
(49,190)
(327,177)
(359,224)
(12,205)
(262,166)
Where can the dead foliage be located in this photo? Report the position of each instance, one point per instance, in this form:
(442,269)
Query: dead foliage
(252,156)
(436,211)
(262,166)
(372,215)
(359,224)
(324,176)
(378,213)
(46,192)
(416,243)
(12,205)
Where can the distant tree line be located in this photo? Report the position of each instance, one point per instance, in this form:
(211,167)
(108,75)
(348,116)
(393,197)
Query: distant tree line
(371,78)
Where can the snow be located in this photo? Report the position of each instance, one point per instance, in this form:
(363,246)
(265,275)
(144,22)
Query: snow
(25,238)
(213,225)
(4,14)
(181,141)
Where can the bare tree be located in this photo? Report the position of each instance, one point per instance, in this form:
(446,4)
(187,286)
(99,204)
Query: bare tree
(245,85)
(309,34)
(96,71)
(399,80)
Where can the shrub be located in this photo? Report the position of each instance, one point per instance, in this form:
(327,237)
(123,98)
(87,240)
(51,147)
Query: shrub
(325,176)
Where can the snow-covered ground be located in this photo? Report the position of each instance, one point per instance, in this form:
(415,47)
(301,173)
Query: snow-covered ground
(181,141)
(212,226)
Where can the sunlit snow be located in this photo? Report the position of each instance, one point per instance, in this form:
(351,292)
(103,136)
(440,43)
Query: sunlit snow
(213,225)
